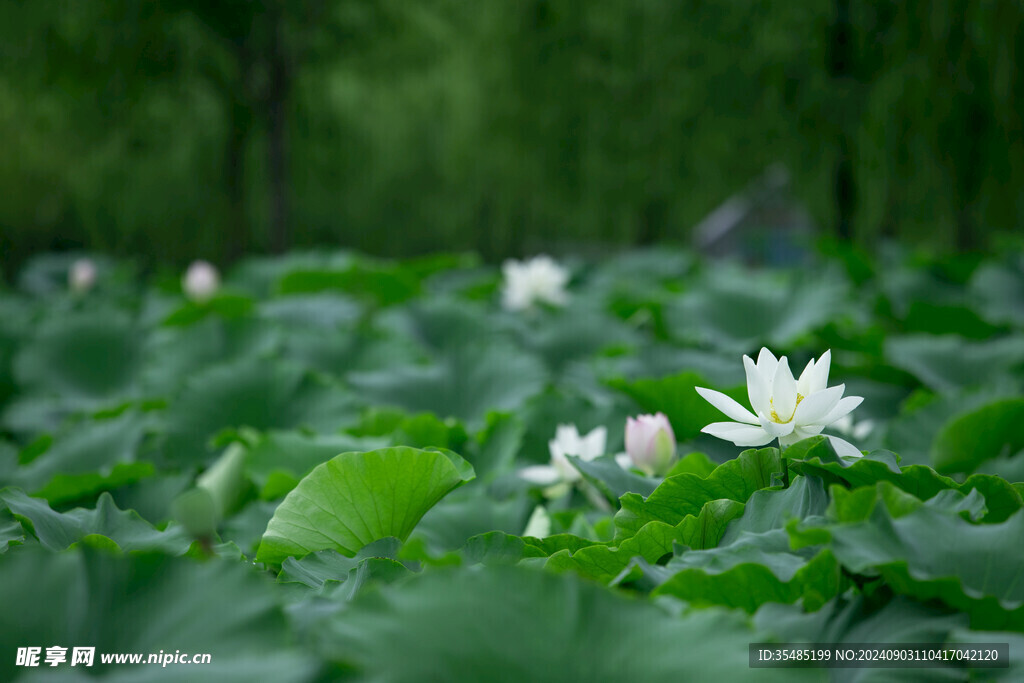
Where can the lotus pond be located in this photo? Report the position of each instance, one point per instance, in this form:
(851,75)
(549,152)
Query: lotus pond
(329,467)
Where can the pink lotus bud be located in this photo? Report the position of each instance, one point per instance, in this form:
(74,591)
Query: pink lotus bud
(82,275)
(650,443)
(201,281)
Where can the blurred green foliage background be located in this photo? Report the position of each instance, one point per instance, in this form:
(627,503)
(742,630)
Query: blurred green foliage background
(185,128)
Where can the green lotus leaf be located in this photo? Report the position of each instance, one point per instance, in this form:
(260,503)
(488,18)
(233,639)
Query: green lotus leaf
(357,498)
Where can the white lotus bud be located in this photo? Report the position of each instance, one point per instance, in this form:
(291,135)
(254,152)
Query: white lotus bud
(651,443)
(200,281)
(82,275)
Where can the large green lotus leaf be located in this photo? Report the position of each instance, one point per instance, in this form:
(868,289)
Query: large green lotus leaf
(467,385)
(357,498)
(852,619)
(816,456)
(950,362)
(147,604)
(88,457)
(515,624)
(57,531)
(676,397)
(603,562)
(277,460)
(82,355)
(932,552)
(685,494)
(967,441)
(741,310)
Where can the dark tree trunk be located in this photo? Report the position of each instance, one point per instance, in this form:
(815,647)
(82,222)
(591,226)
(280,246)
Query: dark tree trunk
(653,218)
(840,67)
(846,199)
(239,124)
(277,136)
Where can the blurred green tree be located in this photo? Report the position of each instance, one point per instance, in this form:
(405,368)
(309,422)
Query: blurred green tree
(179,128)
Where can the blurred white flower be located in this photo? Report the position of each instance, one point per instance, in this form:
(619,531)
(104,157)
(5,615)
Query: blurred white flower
(567,442)
(786,409)
(650,443)
(537,280)
(200,281)
(539,524)
(82,275)
(855,430)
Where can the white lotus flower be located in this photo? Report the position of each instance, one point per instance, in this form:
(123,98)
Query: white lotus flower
(539,524)
(538,280)
(650,443)
(82,275)
(857,430)
(200,281)
(623,460)
(567,442)
(786,409)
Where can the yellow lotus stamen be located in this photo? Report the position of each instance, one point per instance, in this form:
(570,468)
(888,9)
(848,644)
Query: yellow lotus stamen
(775,416)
